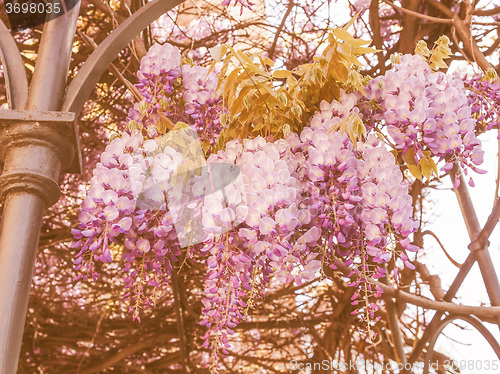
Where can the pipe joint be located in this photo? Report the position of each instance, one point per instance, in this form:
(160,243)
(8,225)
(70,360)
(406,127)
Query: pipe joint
(34,148)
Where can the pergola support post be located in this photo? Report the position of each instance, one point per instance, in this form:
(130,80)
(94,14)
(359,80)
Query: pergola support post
(35,148)
(47,140)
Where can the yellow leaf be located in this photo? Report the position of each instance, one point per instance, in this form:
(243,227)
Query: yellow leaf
(415,171)
(396,58)
(281,74)
(269,61)
(348,38)
(245,57)
(433,166)
(408,157)
(235,108)
(421,49)
(231,83)
(246,102)
(351,21)
(283,98)
(218,52)
(362,50)
(425,167)
(263,87)
(491,75)
(436,61)
(258,126)
(225,66)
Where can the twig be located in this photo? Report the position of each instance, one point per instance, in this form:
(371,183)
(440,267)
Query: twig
(486,12)
(483,312)
(392,317)
(432,279)
(113,68)
(464,34)
(419,15)
(291,4)
(428,232)
(487,313)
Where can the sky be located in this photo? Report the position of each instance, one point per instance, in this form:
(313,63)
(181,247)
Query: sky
(447,222)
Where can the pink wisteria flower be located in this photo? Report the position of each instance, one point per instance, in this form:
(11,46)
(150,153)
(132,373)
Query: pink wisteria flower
(427,110)
(262,207)
(297,206)
(360,200)
(243,4)
(176,92)
(126,200)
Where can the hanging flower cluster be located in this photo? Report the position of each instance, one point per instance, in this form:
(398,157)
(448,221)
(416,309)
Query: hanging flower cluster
(261,209)
(302,204)
(174,91)
(427,111)
(127,199)
(278,210)
(362,204)
(203,107)
(483,97)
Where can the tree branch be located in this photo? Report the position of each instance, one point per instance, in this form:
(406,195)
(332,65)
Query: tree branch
(280,28)
(419,15)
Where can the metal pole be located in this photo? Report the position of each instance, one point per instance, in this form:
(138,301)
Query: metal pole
(34,153)
(14,70)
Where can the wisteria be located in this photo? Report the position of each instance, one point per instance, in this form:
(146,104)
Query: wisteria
(424,111)
(122,202)
(262,207)
(483,95)
(203,107)
(300,205)
(174,91)
(360,200)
